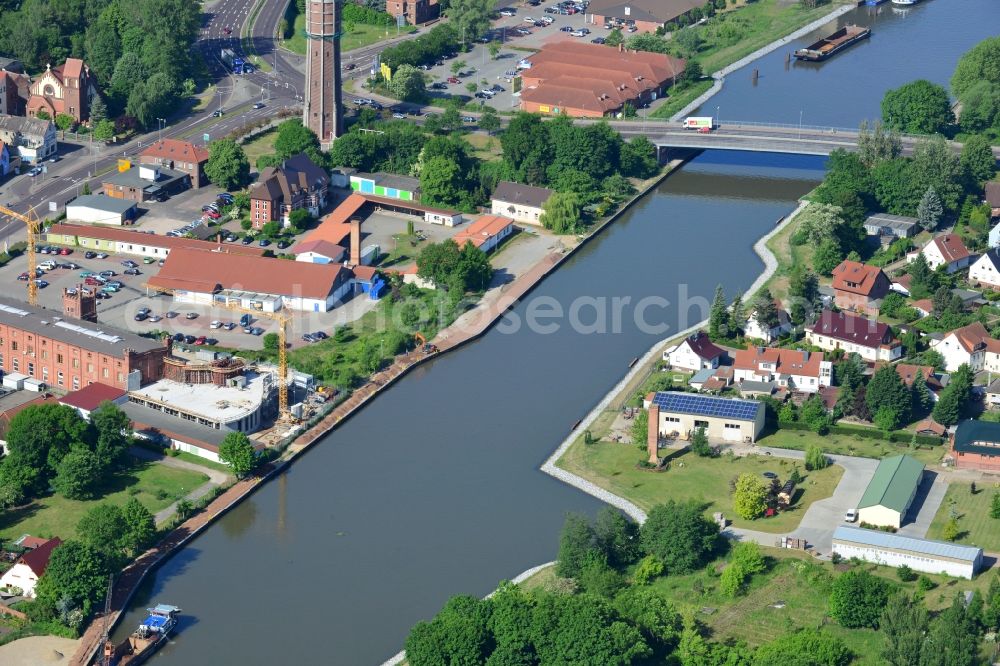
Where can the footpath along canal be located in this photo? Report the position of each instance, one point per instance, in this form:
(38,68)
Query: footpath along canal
(434,488)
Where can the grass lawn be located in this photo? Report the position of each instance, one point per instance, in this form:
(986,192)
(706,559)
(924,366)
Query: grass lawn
(486,148)
(262,145)
(677,100)
(612,466)
(849,445)
(972,513)
(787,255)
(361,35)
(156,486)
(203,462)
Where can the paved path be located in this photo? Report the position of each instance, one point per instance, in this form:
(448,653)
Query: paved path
(930,494)
(215,478)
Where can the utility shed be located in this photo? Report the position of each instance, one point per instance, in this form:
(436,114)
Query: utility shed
(894,550)
(891,491)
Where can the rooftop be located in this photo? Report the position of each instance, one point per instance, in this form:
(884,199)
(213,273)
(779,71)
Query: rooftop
(950,246)
(215,403)
(525,195)
(119,235)
(993,193)
(701,405)
(482,230)
(881,539)
(52,324)
(103,202)
(787,361)
(893,484)
(37,559)
(857,278)
(982,437)
(25,125)
(392,180)
(131,178)
(851,328)
(655,11)
(898,222)
(146,418)
(702,345)
(175,149)
(91,396)
(294,175)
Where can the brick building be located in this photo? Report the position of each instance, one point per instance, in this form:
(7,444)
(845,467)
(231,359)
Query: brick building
(297,183)
(70,353)
(859,287)
(321,111)
(414,11)
(976,445)
(644,15)
(178,155)
(14,92)
(69,88)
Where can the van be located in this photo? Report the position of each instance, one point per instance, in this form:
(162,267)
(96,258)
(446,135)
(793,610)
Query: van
(245,320)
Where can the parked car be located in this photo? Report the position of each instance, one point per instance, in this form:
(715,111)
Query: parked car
(565,28)
(215,324)
(200,340)
(528,19)
(107,274)
(211,341)
(454,79)
(214,214)
(23,276)
(189,339)
(101,255)
(258,105)
(264,242)
(229,326)
(851,516)
(102,295)
(308,337)
(89,255)
(170,314)
(65,251)
(282,244)
(437,85)
(257,330)
(132,271)
(178,337)
(128,263)
(247,240)
(140,316)
(398,115)
(190,315)
(480,95)
(245,319)
(155,317)
(217,113)
(508,11)
(320,335)
(598,40)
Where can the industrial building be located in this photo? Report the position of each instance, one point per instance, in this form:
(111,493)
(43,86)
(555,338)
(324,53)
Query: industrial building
(255,283)
(386,185)
(643,15)
(894,550)
(60,350)
(137,243)
(976,445)
(891,491)
(101,209)
(729,419)
(145,183)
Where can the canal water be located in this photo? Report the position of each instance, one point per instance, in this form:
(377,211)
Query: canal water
(434,489)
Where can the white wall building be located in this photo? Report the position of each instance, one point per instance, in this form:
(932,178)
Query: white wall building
(966,345)
(695,352)
(101,209)
(798,370)
(725,419)
(986,270)
(893,550)
(870,339)
(29,568)
(522,203)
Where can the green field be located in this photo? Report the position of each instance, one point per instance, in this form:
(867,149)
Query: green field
(678,99)
(361,35)
(260,146)
(613,466)
(203,462)
(972,513)
(849,445)
(156,486)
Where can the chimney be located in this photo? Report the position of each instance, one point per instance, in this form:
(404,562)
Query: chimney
(653,435)
(355,241)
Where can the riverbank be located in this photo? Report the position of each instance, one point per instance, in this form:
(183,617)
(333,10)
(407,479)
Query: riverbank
(719,77)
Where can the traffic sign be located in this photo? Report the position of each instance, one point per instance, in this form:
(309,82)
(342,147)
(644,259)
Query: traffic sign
(205,137)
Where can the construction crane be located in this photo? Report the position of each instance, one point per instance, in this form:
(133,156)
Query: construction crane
(34,226)
(281,318)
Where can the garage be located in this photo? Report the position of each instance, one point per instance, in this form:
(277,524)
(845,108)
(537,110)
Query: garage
(101,209)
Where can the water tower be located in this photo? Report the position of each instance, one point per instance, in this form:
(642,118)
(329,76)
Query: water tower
(322,110)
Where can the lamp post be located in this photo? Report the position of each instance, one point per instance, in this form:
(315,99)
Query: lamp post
(160,122)
(800,123)
(718,115)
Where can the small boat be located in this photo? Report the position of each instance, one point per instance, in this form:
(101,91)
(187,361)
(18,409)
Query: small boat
(835,43)
(145,640)
(905,3)
(633,362)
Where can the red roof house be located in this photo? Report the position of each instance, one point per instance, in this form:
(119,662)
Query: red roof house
(859,287)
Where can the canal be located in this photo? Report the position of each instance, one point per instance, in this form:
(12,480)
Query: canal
(434,489)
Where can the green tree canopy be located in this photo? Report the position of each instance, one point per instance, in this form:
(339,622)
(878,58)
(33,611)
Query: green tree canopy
(78,474)
(294,138)
(805,647)
(227,166)
(978,65)
(750,496)
(237,451)
(887,389)
(561,213)
(680,535)
(576,541)
(77,571)
(407,84)
(857,598)
(918,107)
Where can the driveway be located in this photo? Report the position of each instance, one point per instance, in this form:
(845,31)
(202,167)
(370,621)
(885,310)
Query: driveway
(925,505)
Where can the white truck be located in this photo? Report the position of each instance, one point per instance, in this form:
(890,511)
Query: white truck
(700,123)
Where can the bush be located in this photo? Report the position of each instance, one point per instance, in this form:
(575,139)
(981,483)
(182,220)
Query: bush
(925,584)
(857,599)
(906,574)
(648,568)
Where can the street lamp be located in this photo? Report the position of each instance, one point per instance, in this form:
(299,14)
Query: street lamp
(160,122)
(718,116)
(800,123)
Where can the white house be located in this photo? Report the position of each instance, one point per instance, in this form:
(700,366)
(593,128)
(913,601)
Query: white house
(755,330)
(869,338)
(947,250)
(29,568)
(967,345)
(319,251)
(522,203)
(34,139)
(695,352)
(895,550)
(798,370)
(986,270)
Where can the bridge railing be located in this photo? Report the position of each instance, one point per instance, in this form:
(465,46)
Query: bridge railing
(787,126)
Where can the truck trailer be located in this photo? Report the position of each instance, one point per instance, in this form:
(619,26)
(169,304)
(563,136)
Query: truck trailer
(699,122)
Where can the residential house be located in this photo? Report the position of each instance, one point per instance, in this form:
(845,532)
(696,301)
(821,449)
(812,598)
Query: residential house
(69,88)
(695,352)
(869,338)
(925,307)
(945,250)
(901,284)
(178,155)
(908,372)
(14,91)
(976,445)
(34,139)
(29,568)
(297,183)
(890,227)
(797,370)
(992,199)
(755,330)
(966,345)
(859,287)
(522,203)
(486,232)
(986,271)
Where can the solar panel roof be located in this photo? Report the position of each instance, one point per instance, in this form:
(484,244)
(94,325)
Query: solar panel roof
(703,405)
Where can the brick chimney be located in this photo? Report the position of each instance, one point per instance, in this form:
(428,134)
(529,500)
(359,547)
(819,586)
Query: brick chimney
(79,306)
(653,436)
(355,241)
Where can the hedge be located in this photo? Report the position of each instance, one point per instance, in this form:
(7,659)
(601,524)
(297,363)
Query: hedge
(899,436)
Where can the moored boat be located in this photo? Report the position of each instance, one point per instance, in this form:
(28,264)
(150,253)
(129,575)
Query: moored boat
(905,3)
(145,640)
(835,43)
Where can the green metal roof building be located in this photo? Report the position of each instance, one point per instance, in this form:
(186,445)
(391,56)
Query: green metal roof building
(891,491)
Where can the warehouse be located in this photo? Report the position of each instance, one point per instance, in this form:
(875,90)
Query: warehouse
(99,209)
(894,550)
(256,283)
(136,243)
(891,491)
(728,419)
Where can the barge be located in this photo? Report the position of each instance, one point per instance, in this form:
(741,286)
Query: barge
(147,638)
(833,44)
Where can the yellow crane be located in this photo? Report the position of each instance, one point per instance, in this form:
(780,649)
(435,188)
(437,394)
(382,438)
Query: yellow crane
(34,226)
(281,318)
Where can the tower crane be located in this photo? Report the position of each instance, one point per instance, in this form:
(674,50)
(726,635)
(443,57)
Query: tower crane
(34,226)
(281,318)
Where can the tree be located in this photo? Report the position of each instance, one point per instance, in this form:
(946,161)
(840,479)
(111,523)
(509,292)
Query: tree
(953,397)
(648,568)
(995,506)
(78,474)
(803,289)
(77,571)
(470,18)
(103,528)
(64,121)
(293,138)
(750,496)
(765,310)
(494,48)
(718,318)
(140,526)
(918,107)
(745,560)
(929,210)
(951,530)
(815,458)
(952,639)
(442,182)
(977,159)
(935,165)
(237,452)
(104,130)
(857,598)
(37,439)
(737,316)
(616,537)
(407,84)
(814,415)
(576,541)
(981,107)
(979,64)
(114,435)
(886,389)
(227,166)
(271,342)
(561,213)
(699,444)
(458,634)
(827,256)
(817,223)
(805,647)
(489,121)
(679,535)
(652,614)
(877,143)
